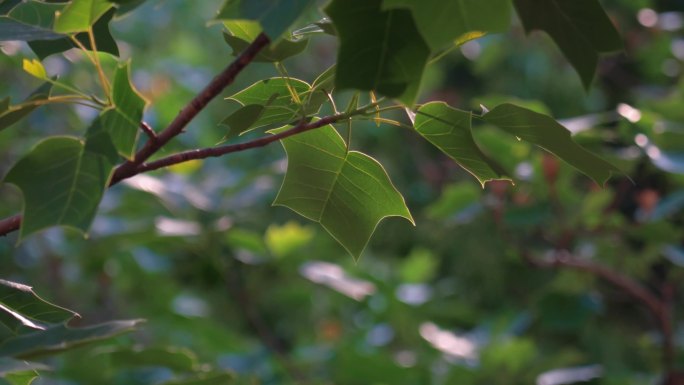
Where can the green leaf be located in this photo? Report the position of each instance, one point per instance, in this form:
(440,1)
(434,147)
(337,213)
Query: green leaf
(450,131)
(274,16)
(11,29)
(80,15)
(21,378)
(62,180)
(443,22)
(242,120)
(279,107)
(348,193)
(379,50)
(7,6)
(122,121)
(21,309)
(12,114)
(103,40)
(580,28)
(282,50)
(548,134)
(59,338)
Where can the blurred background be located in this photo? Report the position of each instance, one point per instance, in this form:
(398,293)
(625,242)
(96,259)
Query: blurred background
(225,279)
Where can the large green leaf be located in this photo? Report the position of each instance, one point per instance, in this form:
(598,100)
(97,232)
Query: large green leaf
(58,338)
(80,15)
(11,29)
(274,16)
(270,101)
(550,135)
(450,131)
(12,114)
(443,22)
(379,50)
(62,180)
(243,32)
(581,29)
(122,120)
(22,309)
(104,41)
(348,193)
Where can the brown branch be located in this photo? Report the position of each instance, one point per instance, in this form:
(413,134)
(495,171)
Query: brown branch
(186,115)
(10,224)
(197,104)
(204,153)
(147,130)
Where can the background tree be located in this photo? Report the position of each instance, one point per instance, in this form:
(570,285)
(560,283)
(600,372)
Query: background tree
(225,279)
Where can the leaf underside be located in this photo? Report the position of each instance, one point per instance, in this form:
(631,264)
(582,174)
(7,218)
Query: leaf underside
(547,133)
(348,193)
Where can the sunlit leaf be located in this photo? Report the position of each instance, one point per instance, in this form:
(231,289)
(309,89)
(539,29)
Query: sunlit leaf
(548,134)
(379,50)
(103,40)
(35,68)
(580,28)
(274,16)
(243,32)
(442,22)
(450,131)
(80,15)
(348,193)
(275,96)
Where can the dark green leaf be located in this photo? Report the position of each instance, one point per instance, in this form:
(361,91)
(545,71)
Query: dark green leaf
(274,16)
(282,50)
(122,121)
(21,308)
(279,107)
(11,29)
(580,28)
(443,22)
(103,40)
(59,338)
(379,50)
(548,134)
(12,114)
(450,131)
(62,180)
(242,120)
(348,193)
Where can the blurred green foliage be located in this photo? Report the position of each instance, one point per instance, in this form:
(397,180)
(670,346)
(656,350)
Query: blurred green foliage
(233,288)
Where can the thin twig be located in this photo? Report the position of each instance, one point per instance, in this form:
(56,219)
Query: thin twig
(213,152)
(187,114)
(151,135)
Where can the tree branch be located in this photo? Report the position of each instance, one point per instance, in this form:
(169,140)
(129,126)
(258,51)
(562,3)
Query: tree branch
(186,115)
(197,104)
(204,153)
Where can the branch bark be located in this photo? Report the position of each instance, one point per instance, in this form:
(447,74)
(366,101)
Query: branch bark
(186,115)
